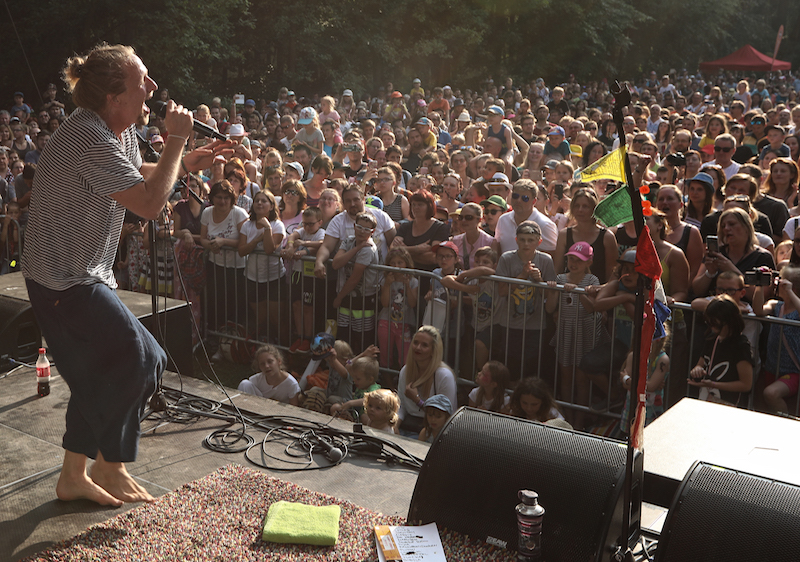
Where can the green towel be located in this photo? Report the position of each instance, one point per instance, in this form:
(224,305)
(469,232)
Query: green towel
(295,523)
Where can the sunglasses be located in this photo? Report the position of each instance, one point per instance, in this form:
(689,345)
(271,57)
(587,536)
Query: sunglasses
(638,141)
(723,148)
(730,292)
(466,218)
(493,212)
(291,192)
(364,228)
(312,223)
(525,198)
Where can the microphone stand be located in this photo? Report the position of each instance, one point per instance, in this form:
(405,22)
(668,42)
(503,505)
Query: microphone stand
(158,402)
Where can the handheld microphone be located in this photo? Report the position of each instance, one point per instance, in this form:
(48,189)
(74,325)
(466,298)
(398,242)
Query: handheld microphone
(197,127)
(333,454)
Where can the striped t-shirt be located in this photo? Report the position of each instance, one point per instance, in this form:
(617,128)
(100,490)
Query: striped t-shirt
(74,225)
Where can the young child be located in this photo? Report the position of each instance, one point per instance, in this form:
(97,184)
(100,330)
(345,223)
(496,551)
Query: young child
(364,372)
(9,239)
(356,286)
(579,327)
(784,341)
(731,283)
(783,253)
(525,319)
(447,259)
(310,135)
(272,382)
(724,373)
(305,241)
(657,373)
(396,321)
(556,144)
(485,299)
(532,400)
(337,386)
(490,394)
(438,410)
(381,407)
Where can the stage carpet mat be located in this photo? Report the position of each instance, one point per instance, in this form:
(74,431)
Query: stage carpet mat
(219,518)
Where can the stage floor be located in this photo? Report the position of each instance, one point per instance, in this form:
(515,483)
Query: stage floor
(170,455)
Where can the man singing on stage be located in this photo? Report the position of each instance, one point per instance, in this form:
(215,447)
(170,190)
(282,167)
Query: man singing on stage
(89,173)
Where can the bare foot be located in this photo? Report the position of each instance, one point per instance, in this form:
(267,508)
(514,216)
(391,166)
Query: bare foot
(76,488)
(114,479)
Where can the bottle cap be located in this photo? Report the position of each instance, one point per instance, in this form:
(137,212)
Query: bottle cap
(528,497)
(42,350)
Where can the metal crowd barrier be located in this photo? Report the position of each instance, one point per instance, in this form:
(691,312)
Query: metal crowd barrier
(232,315)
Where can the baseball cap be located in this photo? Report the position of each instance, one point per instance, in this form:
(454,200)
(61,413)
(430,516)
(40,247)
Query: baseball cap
(290,93)
(499,177)
(322,346)
(374,202)
(576,150)
(758,120)
(551,164)
(440,402)
(628,256)
(581,250)
(347,93)
(416,81)
(251,103)
(464,116)
(307,116)
(448,244)
(557,130)
(495,109)
(237,130)
(297,167)
(704,178)
(495,200)
(424,121)
(396,95)
(156,138)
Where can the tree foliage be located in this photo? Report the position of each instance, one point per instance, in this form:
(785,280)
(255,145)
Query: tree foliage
(200,49)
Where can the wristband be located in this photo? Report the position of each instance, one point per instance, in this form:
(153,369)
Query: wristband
(183,165)
(420,403)
(184,139)
(626,379)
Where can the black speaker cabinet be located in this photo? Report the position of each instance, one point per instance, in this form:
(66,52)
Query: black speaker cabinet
(480,460)
(20,337)
(722,514)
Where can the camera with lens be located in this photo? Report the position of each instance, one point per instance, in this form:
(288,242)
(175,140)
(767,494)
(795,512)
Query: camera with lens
(761,277)
(677,159)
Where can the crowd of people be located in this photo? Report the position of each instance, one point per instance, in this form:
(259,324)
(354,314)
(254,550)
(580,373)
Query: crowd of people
(463,184)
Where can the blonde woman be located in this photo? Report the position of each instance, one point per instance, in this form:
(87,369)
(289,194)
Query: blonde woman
(424,374)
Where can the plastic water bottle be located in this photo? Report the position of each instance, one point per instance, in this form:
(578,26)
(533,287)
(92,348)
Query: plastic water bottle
(529,523)
(43,373)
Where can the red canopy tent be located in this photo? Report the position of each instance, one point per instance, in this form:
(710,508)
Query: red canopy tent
(746,58)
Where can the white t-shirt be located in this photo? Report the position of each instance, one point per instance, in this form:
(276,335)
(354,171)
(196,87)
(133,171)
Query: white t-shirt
(283,392)
(731,170)
(342,227)
(444,382)
(319,235)
(487,403)
(229,229)
(506,231)
(261,267)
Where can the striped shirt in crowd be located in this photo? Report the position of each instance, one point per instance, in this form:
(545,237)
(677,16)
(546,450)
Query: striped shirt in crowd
(74,225)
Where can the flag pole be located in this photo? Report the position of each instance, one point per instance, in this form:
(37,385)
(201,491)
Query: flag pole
(622,98)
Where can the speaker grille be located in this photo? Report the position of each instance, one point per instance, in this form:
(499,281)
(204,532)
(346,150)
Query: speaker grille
(472,473)
(722,514)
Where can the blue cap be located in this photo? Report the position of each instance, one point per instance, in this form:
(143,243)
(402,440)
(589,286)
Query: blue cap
(704,178)
(496,109)
(440,402)
(373,201)
(250,102)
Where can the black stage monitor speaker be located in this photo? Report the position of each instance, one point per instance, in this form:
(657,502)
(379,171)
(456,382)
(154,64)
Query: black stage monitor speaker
(727,515)
(480,460)
(20,337)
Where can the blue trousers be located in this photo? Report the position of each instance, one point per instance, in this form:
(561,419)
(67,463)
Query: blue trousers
(109,360)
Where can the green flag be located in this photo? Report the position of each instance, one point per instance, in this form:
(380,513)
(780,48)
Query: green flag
(615,209)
